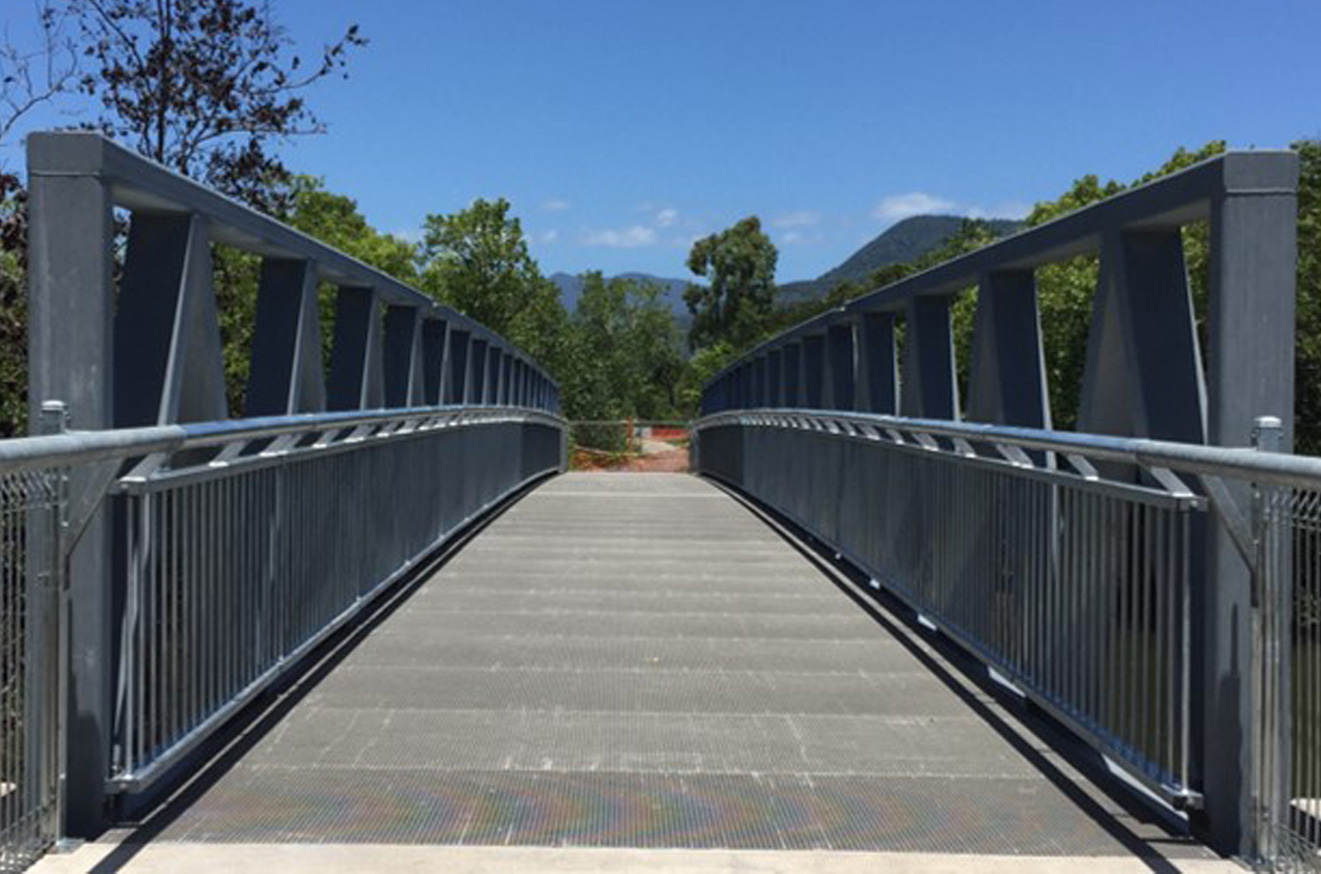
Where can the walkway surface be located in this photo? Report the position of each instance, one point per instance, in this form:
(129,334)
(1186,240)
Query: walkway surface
(638,661)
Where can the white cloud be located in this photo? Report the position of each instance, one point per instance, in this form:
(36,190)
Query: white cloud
(555,205)
(412,236)
(666,217)
(627,238)
(898,207)
(800,218)
(799,238)
(550,236)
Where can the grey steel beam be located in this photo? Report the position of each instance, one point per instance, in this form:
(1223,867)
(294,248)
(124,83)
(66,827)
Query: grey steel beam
(433,360)
(841,381)
(1143,375)
(1007,380)
(356,380)
(814,370)
(404,365)
(929,390)
(793,375)
(168,365)
(477,358)
(878,371)
(775,377)
(458,354)
(287,372)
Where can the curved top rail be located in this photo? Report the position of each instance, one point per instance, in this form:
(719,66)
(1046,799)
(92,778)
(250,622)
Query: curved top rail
(1274,468)
(144,186)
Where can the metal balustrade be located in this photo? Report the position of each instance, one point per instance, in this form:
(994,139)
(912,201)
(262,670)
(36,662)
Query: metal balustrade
(1041,554)
(891,352)
(240,561)
(30,664)
(202,556)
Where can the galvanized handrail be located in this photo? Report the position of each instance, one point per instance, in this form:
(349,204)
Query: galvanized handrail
(1090,533)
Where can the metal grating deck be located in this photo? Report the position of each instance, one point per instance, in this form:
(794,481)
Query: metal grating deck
(638,661)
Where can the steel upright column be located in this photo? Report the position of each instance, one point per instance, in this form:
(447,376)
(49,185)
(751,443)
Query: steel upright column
(287,374)
(840,383)
(404,365)
(878,373)
(356,379)
(1007,379)
(1249,374)
(71,307)
(929,389)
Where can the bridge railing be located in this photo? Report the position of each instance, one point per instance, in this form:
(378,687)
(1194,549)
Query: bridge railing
(200,555)
(1072,581)
(1148,373)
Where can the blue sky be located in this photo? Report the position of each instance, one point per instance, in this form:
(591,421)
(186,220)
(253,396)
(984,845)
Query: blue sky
(622,130)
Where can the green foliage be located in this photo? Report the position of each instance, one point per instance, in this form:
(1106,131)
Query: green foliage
(734,306)
(204,87)
(705,363)
(625,358)
(476,260)
(13,308)
(1307,368)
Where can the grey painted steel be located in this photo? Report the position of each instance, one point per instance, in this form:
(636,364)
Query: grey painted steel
(306,487)
(75,178)
(167,365)
(878,371)
(457,353)
(855,469)
(433,361)
(32,664)
(154,356)
(71,310)
(404,384)
(928,389)
(240,564)
(287,372)
(356,368)
(1143,376)
(1007,377)
(637,661)
(1075,588)
(840,360)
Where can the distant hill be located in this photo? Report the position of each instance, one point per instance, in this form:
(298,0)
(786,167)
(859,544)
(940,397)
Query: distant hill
(903,241)
(571,286)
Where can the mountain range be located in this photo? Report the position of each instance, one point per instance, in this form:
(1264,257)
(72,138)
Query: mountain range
(903,241)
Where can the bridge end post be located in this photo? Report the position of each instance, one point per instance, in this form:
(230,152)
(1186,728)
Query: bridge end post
(1250,373)
(71,358)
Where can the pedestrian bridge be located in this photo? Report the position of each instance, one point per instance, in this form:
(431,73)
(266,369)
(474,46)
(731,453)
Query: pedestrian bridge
(377,612)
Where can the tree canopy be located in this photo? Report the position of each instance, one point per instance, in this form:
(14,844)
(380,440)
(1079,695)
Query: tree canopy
(735,304)
(203,86)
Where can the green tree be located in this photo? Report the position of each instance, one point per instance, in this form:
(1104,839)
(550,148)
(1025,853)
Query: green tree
(705,363)
(735,305)
(203,86)
(625,360)
(1307,368)
(476,260)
